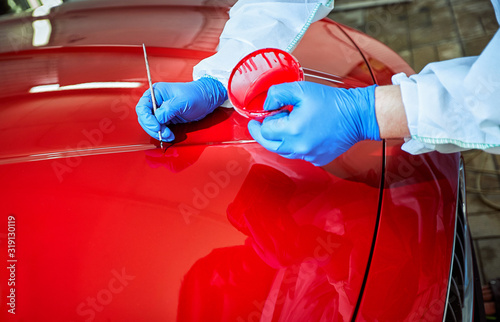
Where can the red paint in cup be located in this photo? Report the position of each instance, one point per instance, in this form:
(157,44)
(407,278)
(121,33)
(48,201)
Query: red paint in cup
(254,74)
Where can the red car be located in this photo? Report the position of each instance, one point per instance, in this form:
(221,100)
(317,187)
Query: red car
(100,224)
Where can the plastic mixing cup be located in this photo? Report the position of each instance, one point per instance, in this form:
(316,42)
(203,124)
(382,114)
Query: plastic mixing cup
(254,74)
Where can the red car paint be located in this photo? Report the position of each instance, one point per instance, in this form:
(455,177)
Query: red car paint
(414,239)
(110,228)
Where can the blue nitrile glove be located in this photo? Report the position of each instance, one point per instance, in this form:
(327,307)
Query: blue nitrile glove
(324,123)
(179,103)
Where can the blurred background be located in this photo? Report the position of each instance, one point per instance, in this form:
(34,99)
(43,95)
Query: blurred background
(423,31)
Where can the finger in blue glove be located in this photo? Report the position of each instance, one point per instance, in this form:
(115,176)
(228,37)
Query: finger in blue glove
(148,121)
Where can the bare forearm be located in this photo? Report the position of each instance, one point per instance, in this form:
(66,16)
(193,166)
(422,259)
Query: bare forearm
(390,112)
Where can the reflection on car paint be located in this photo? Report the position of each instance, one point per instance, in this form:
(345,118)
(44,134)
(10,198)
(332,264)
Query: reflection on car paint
(300,246)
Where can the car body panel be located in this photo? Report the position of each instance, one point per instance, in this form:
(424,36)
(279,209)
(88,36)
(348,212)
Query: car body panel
(382,63)
(110,227)
(415,238)
(116,214)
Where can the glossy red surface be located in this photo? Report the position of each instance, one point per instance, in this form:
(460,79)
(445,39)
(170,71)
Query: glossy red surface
(129,215)
(412,253)
(383,63)
(110,228)
(409,271)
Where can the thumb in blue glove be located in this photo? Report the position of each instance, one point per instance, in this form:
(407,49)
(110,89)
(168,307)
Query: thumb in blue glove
(324,123)
(179,103)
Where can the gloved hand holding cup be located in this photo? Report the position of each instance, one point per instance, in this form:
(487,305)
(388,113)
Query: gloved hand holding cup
(324,123)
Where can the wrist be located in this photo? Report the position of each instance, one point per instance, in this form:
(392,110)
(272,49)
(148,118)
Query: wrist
(366,107)
(213,91)
(390,112)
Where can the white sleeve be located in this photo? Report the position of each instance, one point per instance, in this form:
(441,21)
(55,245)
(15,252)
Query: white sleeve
(255,24)
(454,105)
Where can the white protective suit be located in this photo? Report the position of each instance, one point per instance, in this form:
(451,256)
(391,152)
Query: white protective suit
(454,105)
(451,105)
(256,24)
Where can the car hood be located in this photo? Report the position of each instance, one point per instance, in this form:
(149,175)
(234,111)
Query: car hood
(212,225)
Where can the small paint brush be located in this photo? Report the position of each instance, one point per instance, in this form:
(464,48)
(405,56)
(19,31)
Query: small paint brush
(153,99)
